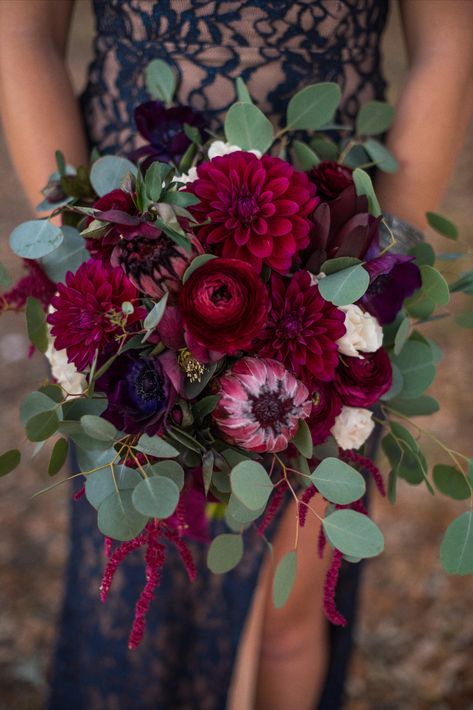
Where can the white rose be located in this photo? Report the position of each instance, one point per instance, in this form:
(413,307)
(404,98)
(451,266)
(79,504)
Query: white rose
(363,332)
(352,427)
(218,148)
(63,371)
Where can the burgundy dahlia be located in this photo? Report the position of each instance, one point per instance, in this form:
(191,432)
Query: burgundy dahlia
(140,391)
(155,263)
(260,405)
(88,312)
(302,329)
(331,179)
(361,381)
(258,209)
(393,278)
(326,406)
(224,305)
(343,227)
(163,129)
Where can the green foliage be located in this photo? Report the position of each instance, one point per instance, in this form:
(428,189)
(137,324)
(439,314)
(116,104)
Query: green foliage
(240,513)
(451,482)
(313,106)
(396,386)
(155,446)
(346,286)
(5,278)
(35,238)
(154,178)
(247,127)
(74,409)
(442,225)
(156,497)
(153,318)
(193,389)
(364,186)
(305,156)
(102,483)
(9,461)
(456,551)
(465,319)
(284,578)
(36,324)
(303,440)
(402,335)
(373,118)
(109,172)
(196,263)
(53,391)
(224,553)
(332,266)
(353,534)
(168,469)
(186,440)
(98,428)
(205,406)
(415,362)
(422,406)
(405,456)
(36,403)
(118,518)
(338,482)
(208,462)
(380,155)
(463,283)
(242,92)
(251,484)
(324,148)
(160,80)
(357,157)
(70,254)
(58,456)
(41,426)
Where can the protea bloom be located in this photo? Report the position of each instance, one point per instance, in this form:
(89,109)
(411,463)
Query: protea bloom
(302,329)
(260,405)
(258,209)
(88,311)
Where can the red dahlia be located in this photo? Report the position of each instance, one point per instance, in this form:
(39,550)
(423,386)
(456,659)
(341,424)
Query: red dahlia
(258,209)
(88,307)
(302,329)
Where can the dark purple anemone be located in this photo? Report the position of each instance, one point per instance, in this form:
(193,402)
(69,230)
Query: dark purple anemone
(393,278)
(140,391)
(163,128)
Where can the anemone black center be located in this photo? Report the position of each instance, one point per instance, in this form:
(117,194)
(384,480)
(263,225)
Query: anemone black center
(149,385)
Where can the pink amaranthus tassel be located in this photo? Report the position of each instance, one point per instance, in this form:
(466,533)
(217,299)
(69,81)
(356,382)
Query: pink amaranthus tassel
(273,507)
(330,609)
(354,457)
(305,499)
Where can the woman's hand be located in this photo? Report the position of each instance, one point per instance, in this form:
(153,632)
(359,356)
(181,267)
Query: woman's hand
(434,109)
(37,104)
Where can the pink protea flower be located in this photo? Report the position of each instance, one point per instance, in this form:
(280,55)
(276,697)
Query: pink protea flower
(260,405)
(88,310)
(258,209)
(302,329)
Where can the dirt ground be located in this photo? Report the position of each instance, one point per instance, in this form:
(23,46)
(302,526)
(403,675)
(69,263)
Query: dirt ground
(415,638)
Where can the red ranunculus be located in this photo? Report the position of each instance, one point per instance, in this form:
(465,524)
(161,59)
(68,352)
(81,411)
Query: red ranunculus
(224,305)
(360,382)
(331,179)
(326,406)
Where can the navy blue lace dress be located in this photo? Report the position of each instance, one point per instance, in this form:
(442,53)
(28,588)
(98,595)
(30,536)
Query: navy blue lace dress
(186,659)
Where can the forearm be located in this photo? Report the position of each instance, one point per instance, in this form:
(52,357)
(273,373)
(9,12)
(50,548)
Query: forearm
(39,110)
(434,109)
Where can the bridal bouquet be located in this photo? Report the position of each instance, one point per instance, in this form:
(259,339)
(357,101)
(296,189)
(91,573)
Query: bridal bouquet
(226,319)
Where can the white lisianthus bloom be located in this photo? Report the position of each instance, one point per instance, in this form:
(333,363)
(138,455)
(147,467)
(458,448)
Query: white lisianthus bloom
(186,177)
(64,372)
(363,332)
(218,148)
(352,427)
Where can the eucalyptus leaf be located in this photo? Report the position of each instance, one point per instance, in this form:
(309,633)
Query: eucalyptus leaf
(338,482)
(154,316)
(9,461)
(41,426)
(240,513)
(36,324)
(451,482)
(247,127)
(305,156)
(353,533)
(156,497)
(332,266)
(52,391)
(364,186)
(456,551)
(242,92)
(196,263)
(442,225)
(36,403)
(422,406)
(380,155)
(284,579)
(402,335)
(463,283)
(396,385)
(205,406)
(208,462)
(415,362)
(251,484)
(303,440)
(224,553)
(434,286)
(155,446)
(109,172)
(374,117)
(423,253)
(313,106)
(345,287)
(102,483)
(58,456)
(118,518)
(324,148)
(70,254)
(35,238)
(160,80)
(74,409)
(357,157)
(168,469)
(98,428)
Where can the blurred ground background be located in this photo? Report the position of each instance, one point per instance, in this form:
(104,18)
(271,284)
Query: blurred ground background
(415,639)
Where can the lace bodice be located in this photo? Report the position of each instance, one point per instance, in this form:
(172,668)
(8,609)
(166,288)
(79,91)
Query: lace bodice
(276,46)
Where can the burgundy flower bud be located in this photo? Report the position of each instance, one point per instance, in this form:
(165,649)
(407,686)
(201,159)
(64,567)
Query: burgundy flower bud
(360,382)
(331,179)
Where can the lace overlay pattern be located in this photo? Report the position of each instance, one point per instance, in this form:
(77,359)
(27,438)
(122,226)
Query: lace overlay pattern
(186,659)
